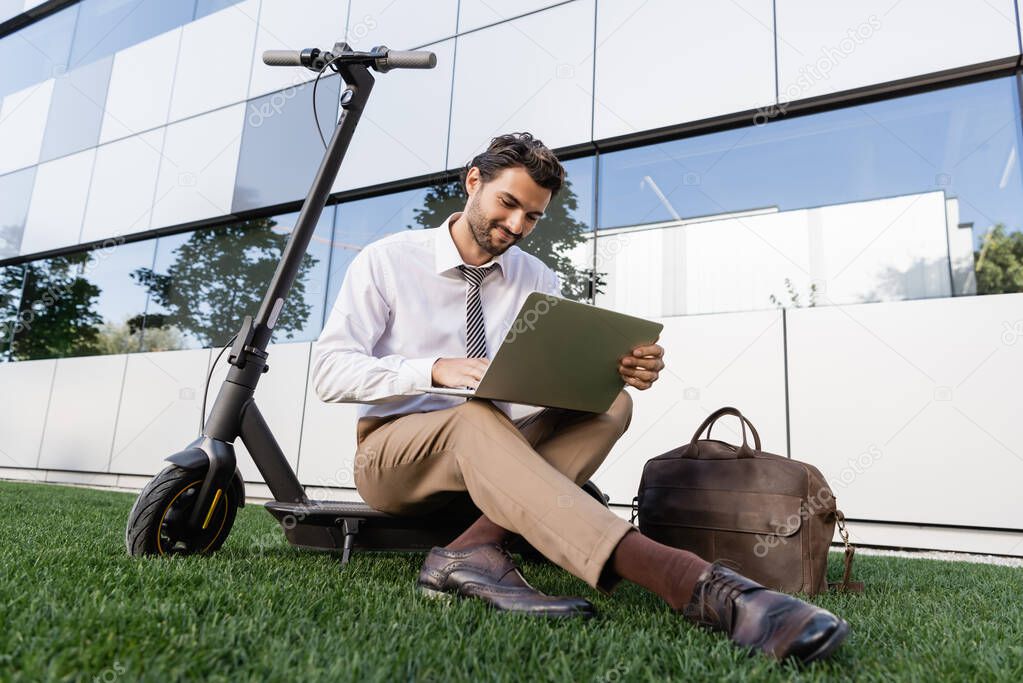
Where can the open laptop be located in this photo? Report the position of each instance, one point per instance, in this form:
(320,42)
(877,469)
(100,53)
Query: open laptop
(561,354)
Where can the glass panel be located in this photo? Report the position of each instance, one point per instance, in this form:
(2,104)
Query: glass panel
(141,80)
(819,42)
(366,220)
(106,26)
(120,203)
(10,8)
(559,240)
(22,125)
(476,13)
(390,144)
(402,23)
(58,203)
(280,147)
(546,59)
(319,24)
(204,7)
(197,169)
(205,282)
(215,61)
(690,72)
(302,315)
(884,201)
(83,304)
(76,109)
(11,278)
(37,52)
(15,193)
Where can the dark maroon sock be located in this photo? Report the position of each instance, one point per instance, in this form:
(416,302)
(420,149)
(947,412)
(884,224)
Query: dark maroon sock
(479,532)
(669,572)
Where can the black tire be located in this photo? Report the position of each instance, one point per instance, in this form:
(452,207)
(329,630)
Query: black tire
(151,526)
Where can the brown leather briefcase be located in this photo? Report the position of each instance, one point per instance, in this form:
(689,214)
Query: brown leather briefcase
(769,517)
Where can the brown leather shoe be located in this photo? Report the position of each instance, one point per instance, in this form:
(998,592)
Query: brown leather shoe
(753,616)
(488,572)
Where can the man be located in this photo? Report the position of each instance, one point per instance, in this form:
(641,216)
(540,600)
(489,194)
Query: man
(431,307)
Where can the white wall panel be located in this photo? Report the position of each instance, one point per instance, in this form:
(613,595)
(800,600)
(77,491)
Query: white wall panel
(10,8)
(401,24)
(83,410)
(533,74)
(140,87)
(910,408)
(15,195)
(215,60)
(403,132)
(935,538)
(26,390)
(81,478)
(22,125)
(58,202)
(160,406)
(711,361)
(76,109)
(700,59)
(827,47)
(22,474)
(475,13)
(123,181)
(197,168)
(280,397)
(320,23)
(328,443)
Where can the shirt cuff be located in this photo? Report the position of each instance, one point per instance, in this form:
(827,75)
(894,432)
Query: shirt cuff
(417,372)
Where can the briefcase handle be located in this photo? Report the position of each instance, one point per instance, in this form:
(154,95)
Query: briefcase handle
(744,450)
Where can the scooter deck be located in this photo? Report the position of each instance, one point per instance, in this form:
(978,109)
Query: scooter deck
(351,526)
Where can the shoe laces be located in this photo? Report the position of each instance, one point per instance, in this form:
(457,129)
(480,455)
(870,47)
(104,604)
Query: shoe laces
(727,586)
(718,590)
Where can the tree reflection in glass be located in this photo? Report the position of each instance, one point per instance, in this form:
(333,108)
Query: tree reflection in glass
(212,279)
(57,315)
(558,236)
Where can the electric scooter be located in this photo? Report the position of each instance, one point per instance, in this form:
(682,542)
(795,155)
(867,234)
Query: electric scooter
(190,506)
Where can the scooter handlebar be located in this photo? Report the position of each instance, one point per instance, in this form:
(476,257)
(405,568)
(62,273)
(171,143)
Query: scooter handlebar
(407,59)
(380,59)
(282,58)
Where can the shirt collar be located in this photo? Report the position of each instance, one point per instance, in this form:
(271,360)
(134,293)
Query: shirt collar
(446,256)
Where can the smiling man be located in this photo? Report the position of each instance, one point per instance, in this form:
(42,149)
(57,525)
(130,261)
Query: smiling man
(431,307)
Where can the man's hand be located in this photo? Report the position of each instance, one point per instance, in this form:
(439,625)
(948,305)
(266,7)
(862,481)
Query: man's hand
(642,368)
(459,372)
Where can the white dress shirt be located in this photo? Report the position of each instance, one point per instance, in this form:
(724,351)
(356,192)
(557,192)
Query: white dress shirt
(401,307)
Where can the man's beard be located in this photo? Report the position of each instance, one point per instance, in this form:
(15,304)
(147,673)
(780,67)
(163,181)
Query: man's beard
(482,228)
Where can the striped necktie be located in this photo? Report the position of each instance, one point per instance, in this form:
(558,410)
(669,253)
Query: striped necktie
(475,332)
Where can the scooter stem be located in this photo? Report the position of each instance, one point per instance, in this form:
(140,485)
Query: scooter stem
(248,355)
(249,352)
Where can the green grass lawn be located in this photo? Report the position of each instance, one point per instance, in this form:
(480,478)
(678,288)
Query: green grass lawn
(76,607)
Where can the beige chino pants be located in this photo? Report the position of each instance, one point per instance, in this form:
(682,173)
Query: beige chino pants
(524,475)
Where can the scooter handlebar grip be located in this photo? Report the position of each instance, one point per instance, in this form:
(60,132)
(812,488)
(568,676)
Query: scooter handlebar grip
(282,58)
(409,59)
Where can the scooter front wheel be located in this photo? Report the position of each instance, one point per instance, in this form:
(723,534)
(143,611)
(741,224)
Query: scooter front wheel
(158,523)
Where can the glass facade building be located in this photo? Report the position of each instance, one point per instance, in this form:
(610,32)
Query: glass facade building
(782,173)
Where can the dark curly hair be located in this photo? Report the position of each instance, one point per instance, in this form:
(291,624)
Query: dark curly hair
(519,149)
